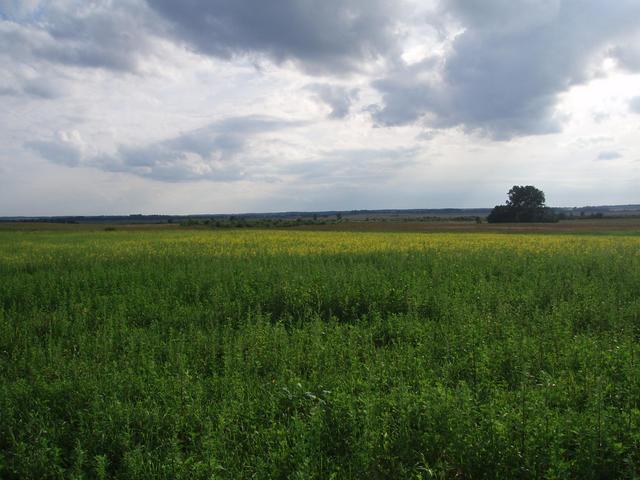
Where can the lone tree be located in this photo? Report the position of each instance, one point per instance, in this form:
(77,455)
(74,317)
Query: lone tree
(525,204)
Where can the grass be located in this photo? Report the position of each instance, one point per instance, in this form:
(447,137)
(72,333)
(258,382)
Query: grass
(290,354)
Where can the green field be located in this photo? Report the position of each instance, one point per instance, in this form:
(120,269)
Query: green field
(292,354)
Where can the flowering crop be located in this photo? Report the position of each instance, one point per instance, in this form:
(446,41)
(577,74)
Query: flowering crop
(280,354)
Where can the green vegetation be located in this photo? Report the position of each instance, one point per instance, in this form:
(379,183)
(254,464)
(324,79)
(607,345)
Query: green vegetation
(286,354)
(525,204)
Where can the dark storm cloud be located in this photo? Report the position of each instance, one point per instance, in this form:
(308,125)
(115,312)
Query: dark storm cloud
(217,152)
(506,69)
(320,36)
(337,97)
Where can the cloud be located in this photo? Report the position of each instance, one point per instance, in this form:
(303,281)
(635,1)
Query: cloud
(67,149)
(609,155)
(58,152)
(634,105)
(329,36)
(229,150)
(332,36)
(504,71)
(124,83)
(17,8)
(427,135)
(113,36)
(18,84)
(628,54)
(600,116)
(338,98)
(217,152)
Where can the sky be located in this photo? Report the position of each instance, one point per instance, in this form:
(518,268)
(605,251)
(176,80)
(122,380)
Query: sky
(116,107)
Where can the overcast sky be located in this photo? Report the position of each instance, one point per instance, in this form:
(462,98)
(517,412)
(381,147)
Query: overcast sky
(224,106)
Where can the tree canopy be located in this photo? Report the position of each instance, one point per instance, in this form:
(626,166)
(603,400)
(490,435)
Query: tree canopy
(525,197)
(524,204)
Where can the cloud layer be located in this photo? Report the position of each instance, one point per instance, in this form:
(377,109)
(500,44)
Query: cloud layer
(208,153)
(113,36)
(508,65)
(331,36)
(292,96)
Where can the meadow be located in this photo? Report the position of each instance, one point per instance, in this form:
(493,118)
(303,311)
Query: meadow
(233,354)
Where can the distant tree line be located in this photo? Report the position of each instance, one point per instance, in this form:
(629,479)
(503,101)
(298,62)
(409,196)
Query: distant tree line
(241,222)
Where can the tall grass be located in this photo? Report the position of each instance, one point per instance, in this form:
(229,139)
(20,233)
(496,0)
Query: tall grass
(263,354)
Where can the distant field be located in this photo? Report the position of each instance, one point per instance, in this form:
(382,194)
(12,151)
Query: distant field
(167,352)
(628,225)
(82,227)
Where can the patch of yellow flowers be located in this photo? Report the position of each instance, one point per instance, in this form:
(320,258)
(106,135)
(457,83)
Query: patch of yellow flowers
(20,248)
